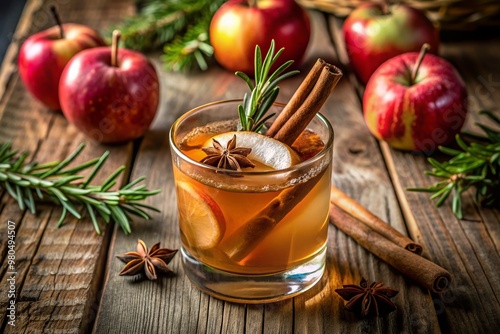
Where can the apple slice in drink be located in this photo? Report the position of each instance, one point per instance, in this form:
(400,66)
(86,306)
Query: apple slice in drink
(265,150)
(200,218)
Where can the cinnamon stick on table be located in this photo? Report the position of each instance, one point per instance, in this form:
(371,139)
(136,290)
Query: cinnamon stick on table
(241,242)
(426,273)
(356,210)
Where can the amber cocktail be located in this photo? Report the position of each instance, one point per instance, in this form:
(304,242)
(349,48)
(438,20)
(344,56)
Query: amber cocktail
(259,234)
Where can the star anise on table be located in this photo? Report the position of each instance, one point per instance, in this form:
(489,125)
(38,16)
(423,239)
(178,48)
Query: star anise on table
(152,261)
(230,157)
(368,300)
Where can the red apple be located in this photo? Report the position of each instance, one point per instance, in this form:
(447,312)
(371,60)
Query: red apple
(415,114)
(44,55)
(239,25)
(373,35)
(111,101)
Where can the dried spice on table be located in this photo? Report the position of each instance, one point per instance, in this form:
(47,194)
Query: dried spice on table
(373,299)
(425,272)
(150,262)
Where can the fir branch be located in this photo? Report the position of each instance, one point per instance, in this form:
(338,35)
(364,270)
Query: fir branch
(180,28)
(475,165)
(55,181)
(188,51)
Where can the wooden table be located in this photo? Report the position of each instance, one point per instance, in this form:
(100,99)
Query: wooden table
(67,278)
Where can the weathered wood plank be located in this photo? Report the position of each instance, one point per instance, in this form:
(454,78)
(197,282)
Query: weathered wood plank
(59,270)
(179,307)
(481,73)
(359,170)
(468,248)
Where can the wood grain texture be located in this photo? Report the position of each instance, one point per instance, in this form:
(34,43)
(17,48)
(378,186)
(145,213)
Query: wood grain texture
(59,270)
(173,305)
(468,248)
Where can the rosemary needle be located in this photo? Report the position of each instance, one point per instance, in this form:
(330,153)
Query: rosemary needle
(475,165)
(27,183)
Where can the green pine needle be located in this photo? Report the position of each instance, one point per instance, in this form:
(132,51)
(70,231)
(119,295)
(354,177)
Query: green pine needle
(189,51)
(179,28)
(65,187)
(475,165)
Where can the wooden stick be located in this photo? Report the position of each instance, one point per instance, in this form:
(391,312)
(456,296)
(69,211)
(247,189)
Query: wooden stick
(328,79)
(298,97)
(356,210)
(424,272)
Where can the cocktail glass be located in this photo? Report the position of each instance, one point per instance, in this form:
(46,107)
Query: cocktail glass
(250,236)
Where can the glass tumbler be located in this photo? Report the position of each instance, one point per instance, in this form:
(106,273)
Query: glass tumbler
(250,236)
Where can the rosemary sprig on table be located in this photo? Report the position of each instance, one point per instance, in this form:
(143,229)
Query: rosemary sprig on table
(179,27)
(30,182)
(475,165)
(252,112)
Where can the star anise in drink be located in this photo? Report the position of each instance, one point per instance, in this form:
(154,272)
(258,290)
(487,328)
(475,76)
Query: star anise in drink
(152,261)
(230,157)
(368,300)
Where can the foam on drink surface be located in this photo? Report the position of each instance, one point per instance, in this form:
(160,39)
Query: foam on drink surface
(306,146)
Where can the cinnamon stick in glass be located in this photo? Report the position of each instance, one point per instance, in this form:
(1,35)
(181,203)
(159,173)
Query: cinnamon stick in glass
(297,122)
(424,272)
(241,242)
(298,97)
(356,210)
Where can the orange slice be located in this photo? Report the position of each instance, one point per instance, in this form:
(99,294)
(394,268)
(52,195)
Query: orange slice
(308,144)
(201,219)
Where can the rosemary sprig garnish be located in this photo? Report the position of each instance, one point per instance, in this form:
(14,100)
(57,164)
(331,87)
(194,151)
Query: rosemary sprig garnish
(475,165)
(29,182)
(265,90)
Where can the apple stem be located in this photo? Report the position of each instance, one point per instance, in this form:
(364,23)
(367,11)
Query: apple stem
(425,48)
(56,17)
(114,47)
(252,3)
(385,7)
